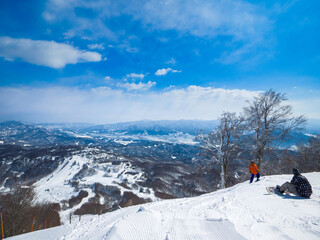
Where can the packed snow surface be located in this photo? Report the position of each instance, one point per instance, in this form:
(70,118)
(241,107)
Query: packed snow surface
(244,211)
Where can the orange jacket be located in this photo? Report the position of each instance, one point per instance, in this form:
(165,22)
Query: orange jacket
(253,168)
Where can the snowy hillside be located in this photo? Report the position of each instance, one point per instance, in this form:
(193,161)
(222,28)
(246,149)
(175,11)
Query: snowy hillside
(245,211)
(83,173)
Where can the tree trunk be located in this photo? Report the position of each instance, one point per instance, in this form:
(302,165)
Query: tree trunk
(259,162)
(259,158)
(225,176)
(222,176)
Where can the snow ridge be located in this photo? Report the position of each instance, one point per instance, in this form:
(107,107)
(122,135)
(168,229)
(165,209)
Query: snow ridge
(244,211)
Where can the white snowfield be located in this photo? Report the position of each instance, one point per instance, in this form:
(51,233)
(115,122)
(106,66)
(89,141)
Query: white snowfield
(244,211)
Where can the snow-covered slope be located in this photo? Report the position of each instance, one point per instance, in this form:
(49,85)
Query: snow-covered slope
(245,211)
(85,173)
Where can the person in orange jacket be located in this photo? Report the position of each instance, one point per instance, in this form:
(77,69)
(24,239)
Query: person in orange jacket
(254,171)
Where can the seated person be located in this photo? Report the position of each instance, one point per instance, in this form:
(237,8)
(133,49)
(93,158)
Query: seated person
(299,185)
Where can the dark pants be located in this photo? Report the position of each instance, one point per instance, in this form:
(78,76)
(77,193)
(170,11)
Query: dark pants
(289,187)
(252,176)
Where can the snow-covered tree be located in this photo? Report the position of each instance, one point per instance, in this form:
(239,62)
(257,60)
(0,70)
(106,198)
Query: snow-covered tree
(309,155)
(272,122)
(222,142)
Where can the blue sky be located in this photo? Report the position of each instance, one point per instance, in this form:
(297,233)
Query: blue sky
(109,61)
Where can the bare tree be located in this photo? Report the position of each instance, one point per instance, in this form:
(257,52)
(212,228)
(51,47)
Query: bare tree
(18,212)
(271,121)
(222,142)
(309,155)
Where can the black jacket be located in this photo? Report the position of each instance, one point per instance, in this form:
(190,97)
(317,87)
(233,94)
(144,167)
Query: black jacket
(302,185)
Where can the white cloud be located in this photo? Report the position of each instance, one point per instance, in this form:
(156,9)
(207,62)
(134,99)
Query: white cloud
(137,86)
(162,72)
(44,53)
(135,75)
(165,71)
(85,27)
(105,105)
(238,19)
(107,78)
(126,46)
(99,46)
(306,106)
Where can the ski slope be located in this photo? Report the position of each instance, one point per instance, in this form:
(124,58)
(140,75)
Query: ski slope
(57,187)
(244,211)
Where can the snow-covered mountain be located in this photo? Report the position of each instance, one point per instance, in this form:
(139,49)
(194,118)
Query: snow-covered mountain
(24,134)
(164,127)
(176,132)
(96,180)
(181,131)
(244,211)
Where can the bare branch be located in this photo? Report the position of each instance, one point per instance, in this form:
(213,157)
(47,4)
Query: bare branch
(223,141)
(271,120)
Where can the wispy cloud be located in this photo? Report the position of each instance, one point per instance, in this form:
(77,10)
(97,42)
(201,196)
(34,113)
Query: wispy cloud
(236,18)
(126,46)
(244,56)
(106,105)
(307,106)
(99,46)
(171,61)
(165,71)
(135,75)
(240,22)
(103,104)
(80,25)
(44,53)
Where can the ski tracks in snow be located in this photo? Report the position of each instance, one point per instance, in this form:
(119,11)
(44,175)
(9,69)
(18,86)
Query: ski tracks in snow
(149,228)
(244,211)
(181,219)
(279,216)
(177,220)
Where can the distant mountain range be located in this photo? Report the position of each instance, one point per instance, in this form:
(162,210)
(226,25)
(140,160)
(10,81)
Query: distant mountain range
(13,132)
(163,127)
(182,132)
(313,126)
(88,170)
(97,168)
